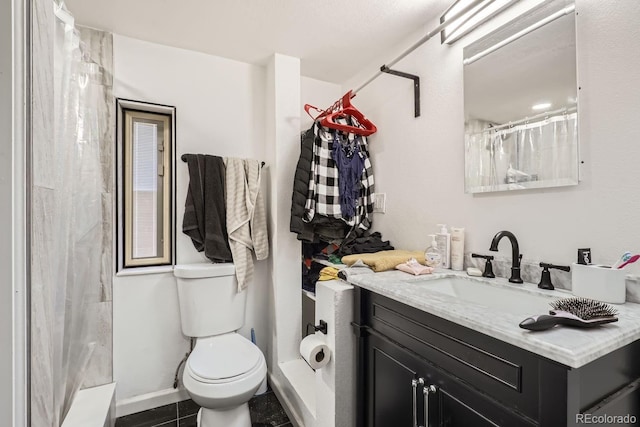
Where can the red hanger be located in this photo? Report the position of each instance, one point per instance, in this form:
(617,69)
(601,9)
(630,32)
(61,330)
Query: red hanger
(308,107)
(343,108)
(367,127)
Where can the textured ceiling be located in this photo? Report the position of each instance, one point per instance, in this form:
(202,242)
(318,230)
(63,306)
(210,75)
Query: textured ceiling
(333,38)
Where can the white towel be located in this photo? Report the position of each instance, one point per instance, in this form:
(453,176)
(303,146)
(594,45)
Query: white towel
(246,216)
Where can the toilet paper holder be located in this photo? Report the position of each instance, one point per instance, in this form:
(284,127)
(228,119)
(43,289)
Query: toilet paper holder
(322,327)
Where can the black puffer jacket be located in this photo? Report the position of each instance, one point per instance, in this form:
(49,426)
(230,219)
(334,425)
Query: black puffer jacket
(320,227)
(301,188)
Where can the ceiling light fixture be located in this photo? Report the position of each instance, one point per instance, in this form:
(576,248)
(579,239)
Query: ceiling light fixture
(475,17)
(541,106)
(567,10)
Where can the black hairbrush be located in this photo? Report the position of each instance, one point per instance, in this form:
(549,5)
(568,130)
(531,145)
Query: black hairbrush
(578,312)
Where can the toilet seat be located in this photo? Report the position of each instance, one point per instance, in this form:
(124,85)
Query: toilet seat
(223,358)
(234,387)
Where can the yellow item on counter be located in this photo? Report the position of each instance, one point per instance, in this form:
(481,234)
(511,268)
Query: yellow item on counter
(384,260)
(329,273)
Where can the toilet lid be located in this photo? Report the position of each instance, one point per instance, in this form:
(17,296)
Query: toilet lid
(223,356)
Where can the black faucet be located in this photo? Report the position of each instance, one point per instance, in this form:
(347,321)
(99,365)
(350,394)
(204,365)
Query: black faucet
(515,253)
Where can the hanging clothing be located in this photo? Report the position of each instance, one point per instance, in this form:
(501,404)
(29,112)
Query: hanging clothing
(350,163)
(320,228)
(246,216)
(300,188)
(204,219)
(323,197)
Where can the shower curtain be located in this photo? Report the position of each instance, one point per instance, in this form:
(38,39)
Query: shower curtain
(539,153)
(76,218)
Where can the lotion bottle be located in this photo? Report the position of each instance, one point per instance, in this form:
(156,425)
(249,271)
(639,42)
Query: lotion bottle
(432,256)
(444,245)
(457,248)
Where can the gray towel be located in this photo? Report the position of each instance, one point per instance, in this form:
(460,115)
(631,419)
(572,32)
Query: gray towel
(204,213)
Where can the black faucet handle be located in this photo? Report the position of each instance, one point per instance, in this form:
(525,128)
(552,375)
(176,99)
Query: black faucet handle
(545,278)
(545,266)
(488,267)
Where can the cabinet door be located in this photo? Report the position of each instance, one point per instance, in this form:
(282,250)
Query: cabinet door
(452,403)
(397,376)
(392,385)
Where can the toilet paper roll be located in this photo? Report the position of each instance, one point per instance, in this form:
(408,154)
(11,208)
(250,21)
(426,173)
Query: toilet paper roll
(315,351)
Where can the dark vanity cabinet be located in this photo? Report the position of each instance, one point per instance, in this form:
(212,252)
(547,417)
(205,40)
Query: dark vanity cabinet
(405,390)
(414,367)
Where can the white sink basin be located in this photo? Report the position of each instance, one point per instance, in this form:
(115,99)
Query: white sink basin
(502,298)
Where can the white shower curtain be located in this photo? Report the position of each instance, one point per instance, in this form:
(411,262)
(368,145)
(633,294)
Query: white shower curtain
(76,234)
(542,153)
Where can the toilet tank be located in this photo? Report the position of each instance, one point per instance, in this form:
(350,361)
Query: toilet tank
(209,300)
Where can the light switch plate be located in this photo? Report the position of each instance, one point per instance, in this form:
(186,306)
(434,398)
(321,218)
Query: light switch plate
(379,202)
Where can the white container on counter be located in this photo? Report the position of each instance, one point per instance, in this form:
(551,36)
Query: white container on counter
(444,245)
(599,282)
(457,248)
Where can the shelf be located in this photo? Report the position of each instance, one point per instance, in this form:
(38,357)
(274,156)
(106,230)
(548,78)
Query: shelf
(309,294)
(329,263)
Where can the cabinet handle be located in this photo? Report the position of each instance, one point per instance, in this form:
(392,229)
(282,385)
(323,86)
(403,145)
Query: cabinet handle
(426,391)
(414,386)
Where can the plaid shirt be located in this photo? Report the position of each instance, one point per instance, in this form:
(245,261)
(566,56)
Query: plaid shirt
(323,197)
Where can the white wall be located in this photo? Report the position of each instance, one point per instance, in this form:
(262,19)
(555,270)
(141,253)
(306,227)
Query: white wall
(13,215)
(419,162)
(220,111)
(318,93)
(335,384)
(6,194)
(291,378)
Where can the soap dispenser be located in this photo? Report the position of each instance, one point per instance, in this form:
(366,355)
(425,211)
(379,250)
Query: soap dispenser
(444,245)
(432,255)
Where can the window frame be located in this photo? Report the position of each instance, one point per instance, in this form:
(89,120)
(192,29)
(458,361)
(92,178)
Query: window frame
(127,111)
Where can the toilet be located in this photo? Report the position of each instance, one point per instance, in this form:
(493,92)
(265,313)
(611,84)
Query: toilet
(224,370)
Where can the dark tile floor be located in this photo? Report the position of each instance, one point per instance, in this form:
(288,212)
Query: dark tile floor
(266,411)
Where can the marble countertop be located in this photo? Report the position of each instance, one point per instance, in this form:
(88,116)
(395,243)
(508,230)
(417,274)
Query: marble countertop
(572,347)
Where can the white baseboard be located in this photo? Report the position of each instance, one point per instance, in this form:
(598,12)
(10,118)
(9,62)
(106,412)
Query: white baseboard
(148,401)
(286,403)
(294,385)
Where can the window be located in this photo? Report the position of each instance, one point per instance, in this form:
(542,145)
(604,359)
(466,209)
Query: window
(146,140)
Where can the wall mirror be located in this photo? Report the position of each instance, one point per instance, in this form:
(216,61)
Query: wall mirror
(520,103)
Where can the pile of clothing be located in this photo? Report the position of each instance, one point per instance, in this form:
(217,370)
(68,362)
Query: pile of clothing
(332,201)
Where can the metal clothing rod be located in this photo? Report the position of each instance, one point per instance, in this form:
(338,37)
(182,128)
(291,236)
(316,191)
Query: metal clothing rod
(184,159)
(567,10)
(419,43)
(537,116)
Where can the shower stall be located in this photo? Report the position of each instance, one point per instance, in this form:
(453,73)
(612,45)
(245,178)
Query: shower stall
(71,212)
